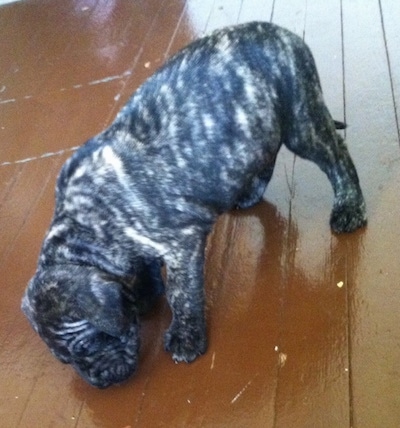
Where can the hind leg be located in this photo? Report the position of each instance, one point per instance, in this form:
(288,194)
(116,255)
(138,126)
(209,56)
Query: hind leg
(349,212)
(319,142)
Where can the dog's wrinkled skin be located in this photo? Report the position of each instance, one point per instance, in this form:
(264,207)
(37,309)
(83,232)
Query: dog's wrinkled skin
(88,318)
(198,138)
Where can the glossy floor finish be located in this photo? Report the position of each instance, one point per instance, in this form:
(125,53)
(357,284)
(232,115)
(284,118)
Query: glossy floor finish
(304,326)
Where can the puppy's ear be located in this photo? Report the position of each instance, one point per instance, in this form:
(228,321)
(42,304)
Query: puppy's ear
(102,304)
(27,309)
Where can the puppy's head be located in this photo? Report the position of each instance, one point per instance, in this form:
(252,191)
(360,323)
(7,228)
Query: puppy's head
(87,319)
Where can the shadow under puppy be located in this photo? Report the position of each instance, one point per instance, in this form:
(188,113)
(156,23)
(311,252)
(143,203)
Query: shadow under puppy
(198,138)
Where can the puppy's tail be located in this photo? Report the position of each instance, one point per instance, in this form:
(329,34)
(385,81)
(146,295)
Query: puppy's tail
(340,125)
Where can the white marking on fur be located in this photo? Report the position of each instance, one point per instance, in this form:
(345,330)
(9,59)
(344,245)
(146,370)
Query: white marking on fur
(188,231)
(116,164)
(73,327)
(70,328)
(250,93)
(243,120)
(50,286)
(80,171)
(55,231)
(208,121)
(225,45)
(112,159)
(180,162)
(144,240)
(98,292)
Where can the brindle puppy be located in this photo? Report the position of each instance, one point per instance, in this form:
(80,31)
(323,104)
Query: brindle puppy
(198,138)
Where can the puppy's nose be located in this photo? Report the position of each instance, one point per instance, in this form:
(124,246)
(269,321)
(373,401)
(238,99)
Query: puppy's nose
(113,376)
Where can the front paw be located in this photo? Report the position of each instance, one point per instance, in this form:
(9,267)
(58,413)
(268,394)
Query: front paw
(185,342)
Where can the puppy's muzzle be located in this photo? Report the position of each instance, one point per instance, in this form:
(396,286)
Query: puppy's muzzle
(101,359)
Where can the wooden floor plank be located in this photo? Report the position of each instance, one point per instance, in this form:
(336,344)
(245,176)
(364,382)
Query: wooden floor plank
(256,10)
(390,18)
(374,345)
(224,12)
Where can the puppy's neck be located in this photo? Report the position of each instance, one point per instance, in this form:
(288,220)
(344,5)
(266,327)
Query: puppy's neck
(68,243)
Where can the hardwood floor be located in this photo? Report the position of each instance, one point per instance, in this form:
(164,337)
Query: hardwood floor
(304,325)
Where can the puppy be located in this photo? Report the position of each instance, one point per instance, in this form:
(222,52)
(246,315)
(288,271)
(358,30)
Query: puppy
(198,138)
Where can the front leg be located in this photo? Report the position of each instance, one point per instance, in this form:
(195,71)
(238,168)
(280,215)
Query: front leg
(148,286)
(186,337)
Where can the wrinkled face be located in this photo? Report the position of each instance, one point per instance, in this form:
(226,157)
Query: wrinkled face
(101,359)
(93,334)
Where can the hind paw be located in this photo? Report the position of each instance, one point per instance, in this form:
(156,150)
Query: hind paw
(348,217)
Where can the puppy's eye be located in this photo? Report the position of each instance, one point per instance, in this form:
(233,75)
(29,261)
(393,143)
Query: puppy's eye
(88,343)
(61,355)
